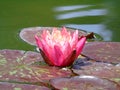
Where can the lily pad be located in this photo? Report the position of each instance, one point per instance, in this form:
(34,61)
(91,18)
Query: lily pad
(103,51)
(18,66)
(14,86)
(10,59)
(103,70)
(84,83)
(34,74)
(27,34)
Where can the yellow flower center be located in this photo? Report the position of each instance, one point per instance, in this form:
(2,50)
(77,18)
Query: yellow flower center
(58,37)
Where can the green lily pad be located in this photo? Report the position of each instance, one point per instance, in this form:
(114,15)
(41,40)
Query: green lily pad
(103,51)
(27,34)
(84,83)
(20,67)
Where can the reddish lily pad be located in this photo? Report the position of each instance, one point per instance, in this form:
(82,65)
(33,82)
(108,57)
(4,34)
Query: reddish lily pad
(84,83)
(10,59)
(35,74)
(103,51)
(103,70)
(31,57)
(14,86)
(18,66)
(13,64)
(27,34)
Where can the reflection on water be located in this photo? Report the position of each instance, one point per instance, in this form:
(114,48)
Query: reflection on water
(68,8)
(90,15)
(94,12)
(97,28)
(74,14)
(112,20)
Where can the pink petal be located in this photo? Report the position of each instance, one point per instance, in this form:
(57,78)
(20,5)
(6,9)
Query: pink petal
(64,31)
(48,51)
(45,34)
(74,39)
(38,42)
(55,31)
(80,45)
(44,50)
(46,58)
(66,49)
(69,59)
(59,55)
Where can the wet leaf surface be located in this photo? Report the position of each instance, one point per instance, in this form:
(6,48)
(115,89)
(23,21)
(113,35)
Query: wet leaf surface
(86,66)
(19,67)
(79,62)
(21,70)
(14,86)
(34,74)
(27,34)
(84,83)
(103,51)
(103,70)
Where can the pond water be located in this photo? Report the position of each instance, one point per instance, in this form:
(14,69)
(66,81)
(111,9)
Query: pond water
(101,17)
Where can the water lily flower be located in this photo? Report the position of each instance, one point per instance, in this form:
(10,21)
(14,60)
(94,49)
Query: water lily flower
(60,47)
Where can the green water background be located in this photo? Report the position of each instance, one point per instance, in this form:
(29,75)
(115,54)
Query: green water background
(18,14)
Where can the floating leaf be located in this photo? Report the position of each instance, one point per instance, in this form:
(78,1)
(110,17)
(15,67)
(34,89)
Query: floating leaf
(103,70)
(14,86)
(84,83)
(103,51)
(27,34)
(18,67)
(31,57)
(12,59)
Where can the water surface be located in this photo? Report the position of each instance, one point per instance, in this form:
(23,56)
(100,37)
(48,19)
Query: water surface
(93,16)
